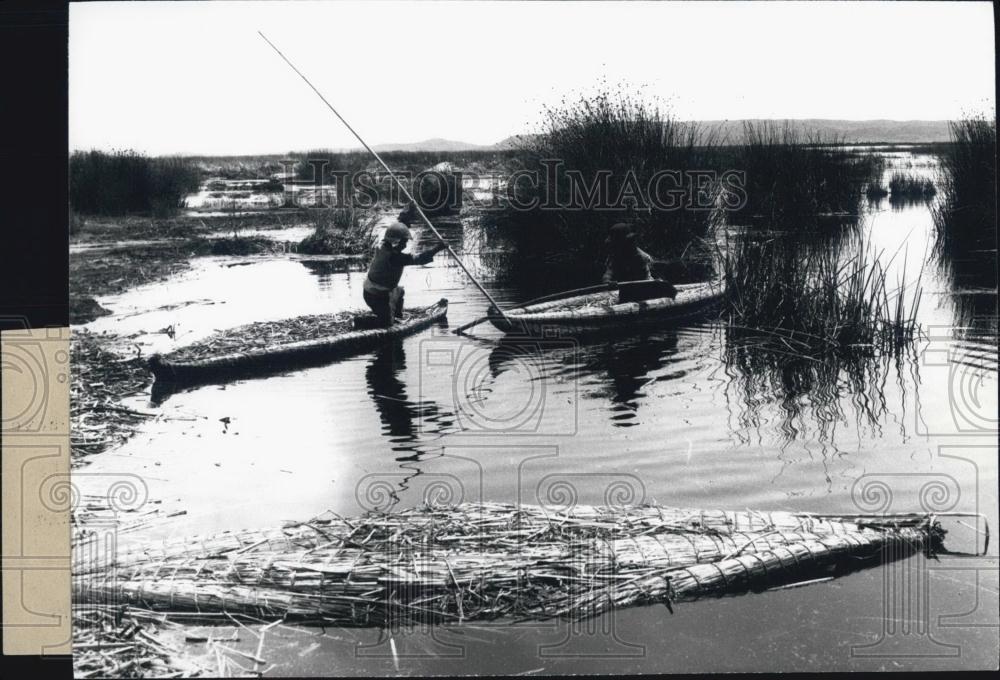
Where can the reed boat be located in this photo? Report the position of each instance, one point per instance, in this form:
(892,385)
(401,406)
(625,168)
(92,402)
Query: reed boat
(179,369)
(604,310)
(480,561)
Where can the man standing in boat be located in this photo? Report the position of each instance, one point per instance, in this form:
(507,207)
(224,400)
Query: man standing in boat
(382,291)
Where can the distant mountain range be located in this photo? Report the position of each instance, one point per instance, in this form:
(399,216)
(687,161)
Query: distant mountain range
(851,131)
(436,144)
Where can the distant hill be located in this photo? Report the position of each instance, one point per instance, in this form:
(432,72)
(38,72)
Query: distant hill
(851,131)
(436,144)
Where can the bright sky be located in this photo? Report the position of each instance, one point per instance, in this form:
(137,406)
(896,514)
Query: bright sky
(194,77)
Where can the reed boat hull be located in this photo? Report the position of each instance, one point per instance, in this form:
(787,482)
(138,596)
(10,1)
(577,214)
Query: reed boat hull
(601,312)
(288,356)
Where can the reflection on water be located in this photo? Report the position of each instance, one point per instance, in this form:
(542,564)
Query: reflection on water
(898,202)
(810,396)
(612,369)
(408,425)
(628,367)
(325,269)
(412,428)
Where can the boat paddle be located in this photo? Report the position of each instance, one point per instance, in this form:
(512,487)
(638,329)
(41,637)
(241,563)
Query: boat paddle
(402,188)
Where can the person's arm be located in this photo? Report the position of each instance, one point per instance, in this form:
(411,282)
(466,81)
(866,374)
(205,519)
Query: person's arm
(427,255)
(401,259)
(608,274)
(647,260)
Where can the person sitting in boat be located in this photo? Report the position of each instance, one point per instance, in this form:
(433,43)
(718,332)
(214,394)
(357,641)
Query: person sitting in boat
(626,260)
(381,289)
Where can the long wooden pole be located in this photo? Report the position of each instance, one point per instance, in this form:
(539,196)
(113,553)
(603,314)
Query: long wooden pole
(544,298)
(391,174)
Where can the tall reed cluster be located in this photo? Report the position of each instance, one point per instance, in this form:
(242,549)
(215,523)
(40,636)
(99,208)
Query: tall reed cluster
(339,231)
(128,182)
(812,298)
(794,177)
(593,162)
(908,186)
(967,216)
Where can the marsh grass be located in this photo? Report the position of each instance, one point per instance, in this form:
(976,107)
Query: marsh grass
(876,189)
(792,177)
(612,133)
(912,187)
(812,299)
(339,231)
(811,325)
(966,218)
(128,182)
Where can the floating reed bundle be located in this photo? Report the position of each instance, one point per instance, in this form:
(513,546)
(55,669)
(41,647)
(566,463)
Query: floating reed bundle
(484,561)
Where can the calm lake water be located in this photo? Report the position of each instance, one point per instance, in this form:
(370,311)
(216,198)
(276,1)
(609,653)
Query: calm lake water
(662,416)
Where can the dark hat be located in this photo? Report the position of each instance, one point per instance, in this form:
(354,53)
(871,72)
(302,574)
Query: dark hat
(398,231)
(620,232)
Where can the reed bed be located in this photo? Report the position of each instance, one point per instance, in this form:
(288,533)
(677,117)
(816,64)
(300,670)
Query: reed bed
(966,218)
(793,176)
(811,298)
(610,145)
(124,182)
(908,186)
(99,380)
(470,562)
(876,189)
(340,231)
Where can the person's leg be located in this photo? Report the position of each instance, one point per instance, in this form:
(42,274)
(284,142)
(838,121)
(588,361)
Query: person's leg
(380,304)
(396,301)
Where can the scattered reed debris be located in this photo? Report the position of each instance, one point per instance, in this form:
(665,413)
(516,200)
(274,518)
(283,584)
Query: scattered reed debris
(99,380)
(123,643)
(455,563)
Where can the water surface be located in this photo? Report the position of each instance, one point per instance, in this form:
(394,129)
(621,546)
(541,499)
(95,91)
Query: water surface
(666,416)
